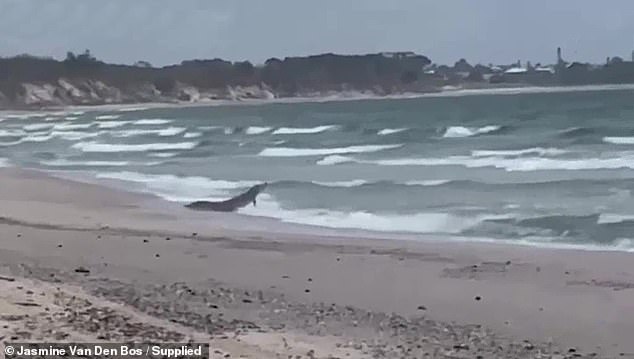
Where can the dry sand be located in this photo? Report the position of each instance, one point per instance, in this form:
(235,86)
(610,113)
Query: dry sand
(258,288)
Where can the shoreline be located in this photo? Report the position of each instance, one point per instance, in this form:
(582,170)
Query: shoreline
(137,246)
(340,97)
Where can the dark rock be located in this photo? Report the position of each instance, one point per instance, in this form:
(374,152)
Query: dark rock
(422,307)
(157,255)
(8,279)
(59,246)
(145,241)
(478,298)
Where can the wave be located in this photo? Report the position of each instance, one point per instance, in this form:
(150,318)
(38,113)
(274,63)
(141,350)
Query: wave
(164,154)
(180,189)
(164,132)
(303,131)
(65,163)
(297,152)
(255,130)
(527,151)
(112,124)
(151,121)
(345,184)
(619,140)
(334,160)
(192,134)
(460,131)
(573,132)
(427,183)
(71,126)
(107,117)
(71,118)
(385,222)
(37,126)
(390,131)
(109,148)
(508,164)
(11,133)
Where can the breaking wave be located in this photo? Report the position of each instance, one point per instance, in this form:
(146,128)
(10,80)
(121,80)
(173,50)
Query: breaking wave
(303,131)
(297,152)
(106,147)
(460,131)
(256,130)
(390,131)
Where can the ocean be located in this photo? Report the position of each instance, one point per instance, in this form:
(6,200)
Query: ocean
(537,168)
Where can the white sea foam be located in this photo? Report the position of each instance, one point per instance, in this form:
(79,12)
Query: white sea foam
(508,164)
(65,163)
(192,134)
(347,184)
(165,132)
(527,151)
(111,124)
(417,223)
(619,140)
(71,126)
(256,130)
(11,133)
(303,131)
(74,135)
(229,130)
(151,121)
(390,131)
(107,117)
(335,159)
(37,126)
(4,162)
(460,131)
(107,147)
(181,189)
(71,118)
(163,154)
(296,152)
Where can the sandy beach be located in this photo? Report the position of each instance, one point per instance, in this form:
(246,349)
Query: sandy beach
(73,254)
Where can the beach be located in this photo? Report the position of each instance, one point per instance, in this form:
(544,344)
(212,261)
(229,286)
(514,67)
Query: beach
(256,287)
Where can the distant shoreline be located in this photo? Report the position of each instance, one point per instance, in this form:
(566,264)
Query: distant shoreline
(340,97)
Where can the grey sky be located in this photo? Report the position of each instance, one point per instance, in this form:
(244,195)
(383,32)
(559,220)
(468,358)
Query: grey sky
(168,31)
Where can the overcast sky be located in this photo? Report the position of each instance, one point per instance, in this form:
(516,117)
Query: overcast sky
(169,31)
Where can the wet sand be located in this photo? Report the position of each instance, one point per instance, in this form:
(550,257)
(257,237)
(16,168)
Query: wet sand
(258,288)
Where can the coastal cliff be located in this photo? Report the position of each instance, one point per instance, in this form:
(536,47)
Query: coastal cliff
(30,82)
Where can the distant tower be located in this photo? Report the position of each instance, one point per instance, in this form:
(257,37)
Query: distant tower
(632,55)
(559,58)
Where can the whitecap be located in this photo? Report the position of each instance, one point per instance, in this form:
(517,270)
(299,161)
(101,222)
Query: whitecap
(508,164)
(460,131)
(256,130)
(302,131)
(619,140)
(164,132)
(296,152)
(37,126)
(335,159)
(11,133)
(163,154)
(192,134)
(107,117)
(390,131)
(112,124)
(527,151)
(151,121)
(64,163)
(71,126)
(346,184)
(144,147)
